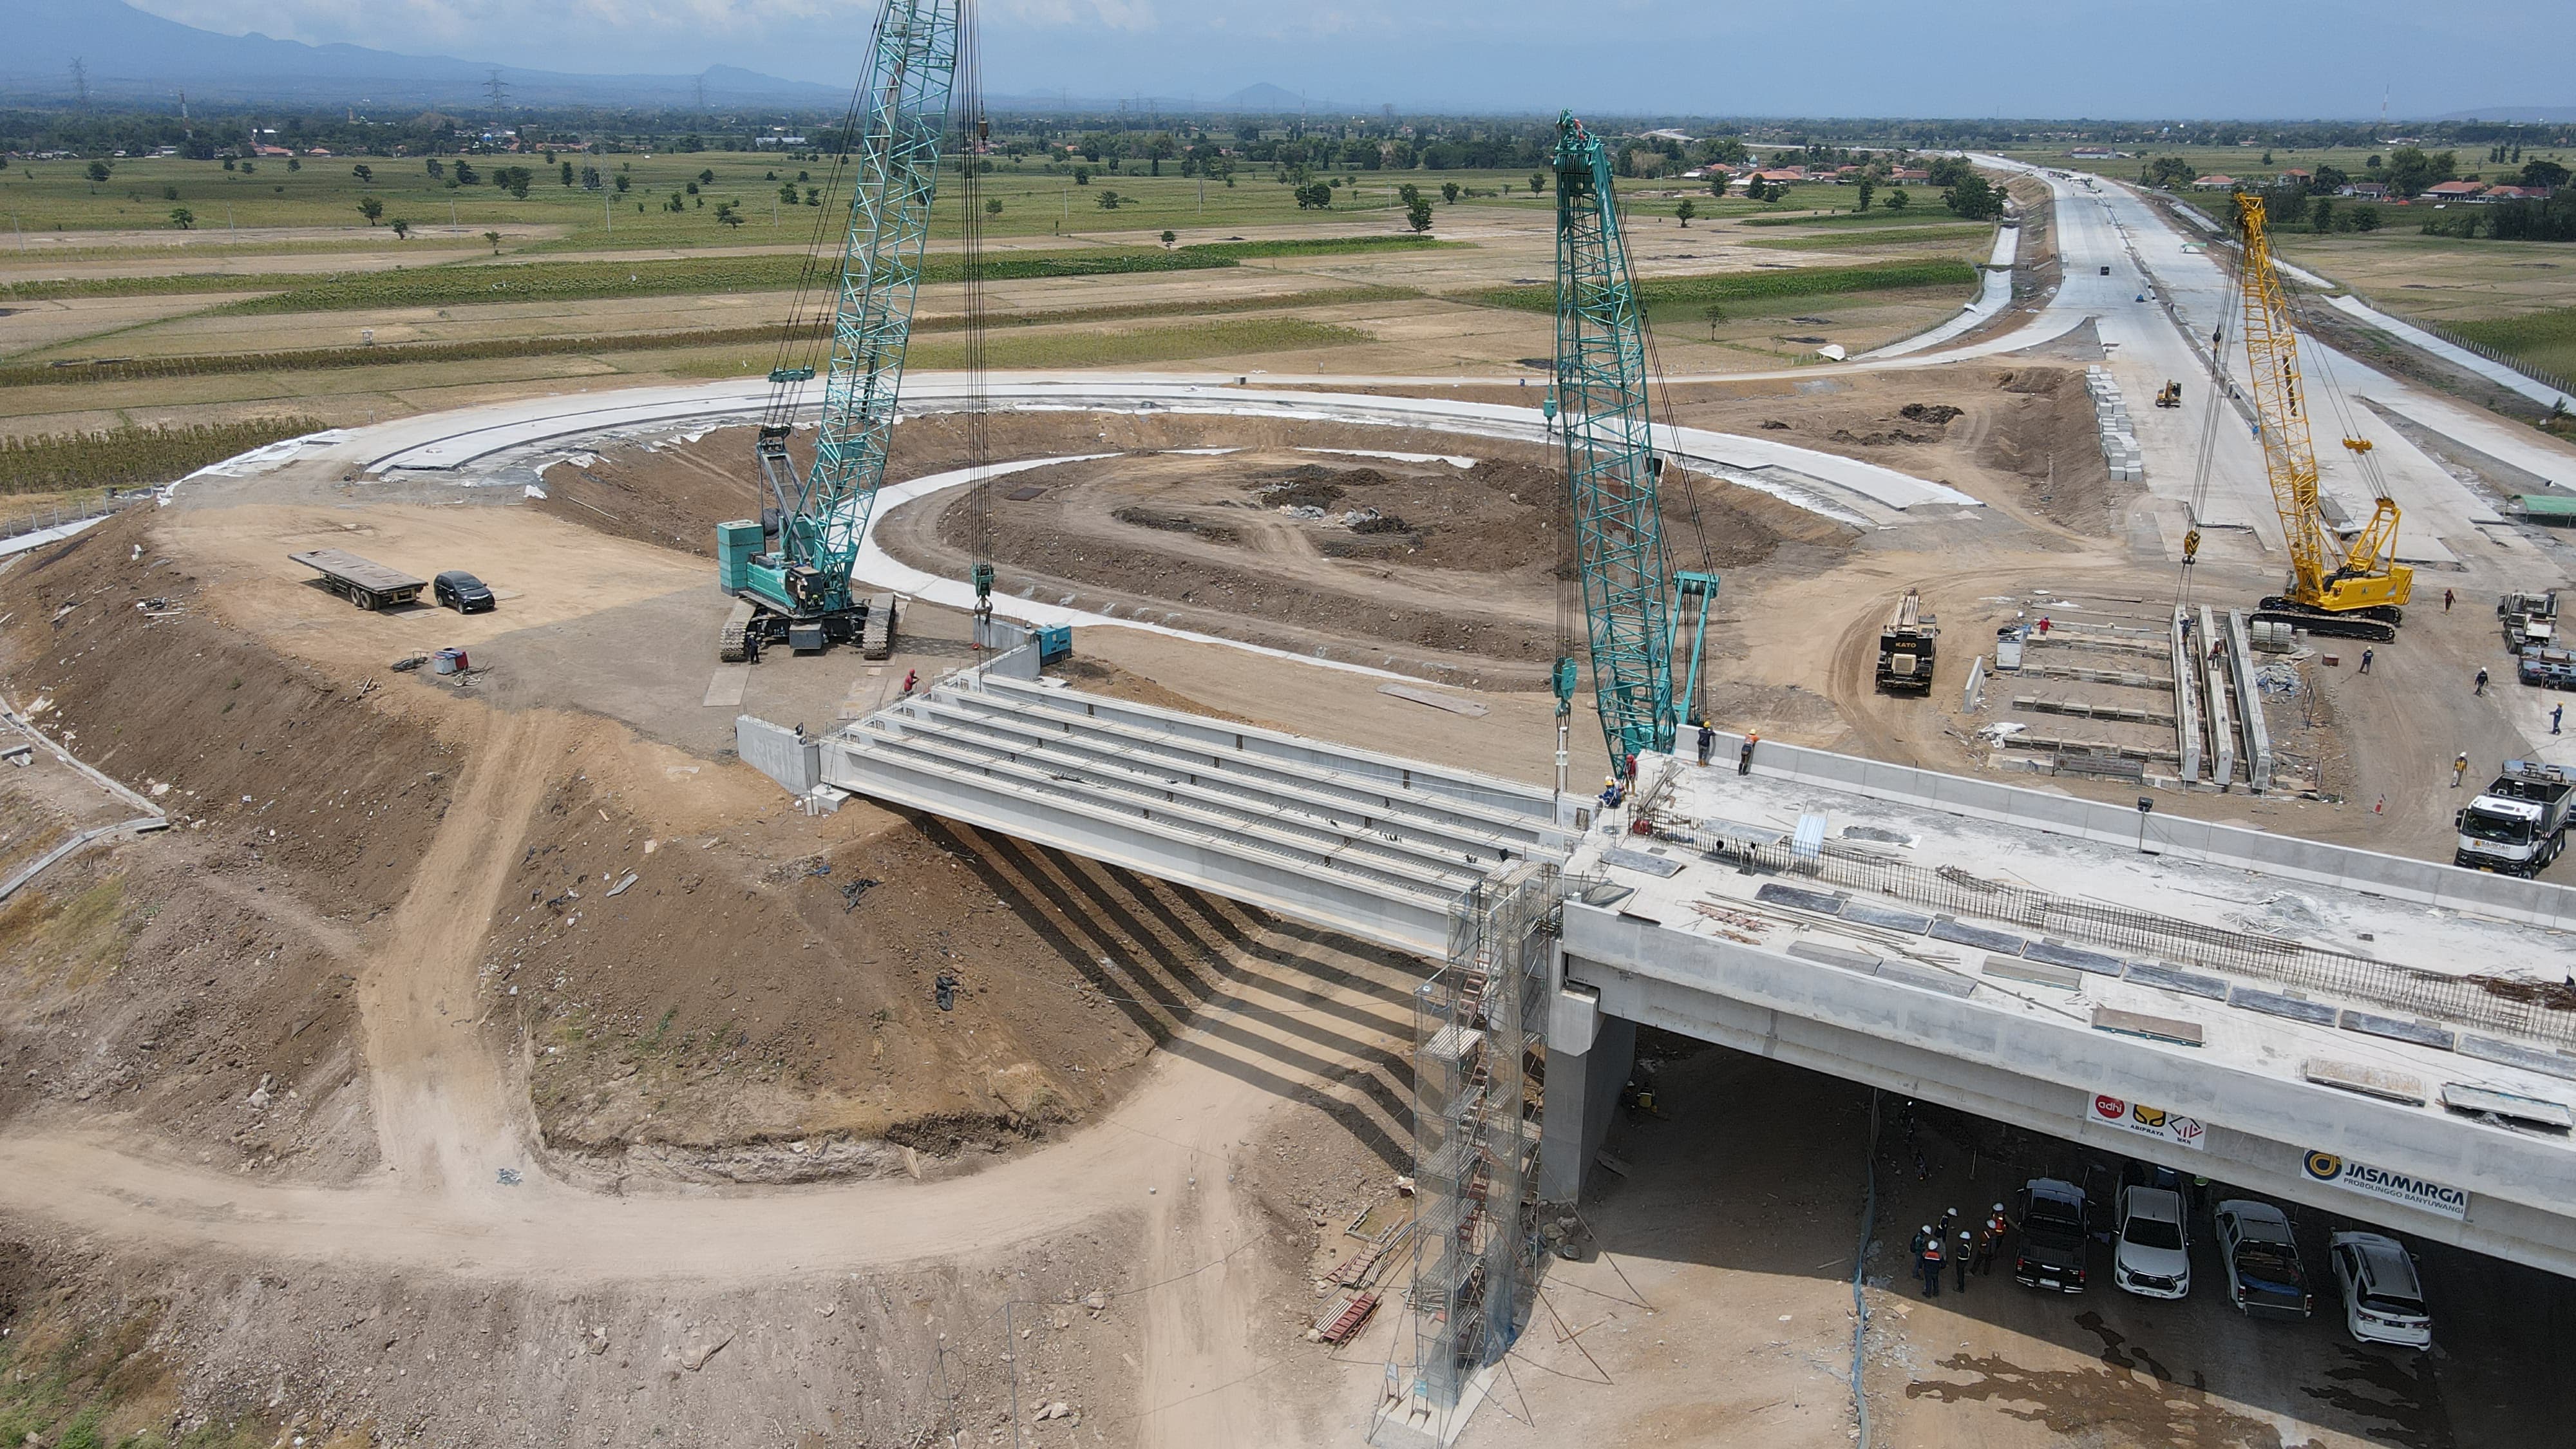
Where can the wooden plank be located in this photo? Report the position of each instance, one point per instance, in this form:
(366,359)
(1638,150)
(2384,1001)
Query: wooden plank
(2377,1082)
(2156,1028)
(2064,978)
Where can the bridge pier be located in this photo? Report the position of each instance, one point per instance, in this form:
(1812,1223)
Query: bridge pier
(1588,1058)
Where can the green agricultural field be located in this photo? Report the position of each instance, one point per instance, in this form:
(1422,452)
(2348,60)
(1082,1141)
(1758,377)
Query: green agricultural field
(2546,340)
(1088,347)
(1662,293)
(324,192)
(1850,238)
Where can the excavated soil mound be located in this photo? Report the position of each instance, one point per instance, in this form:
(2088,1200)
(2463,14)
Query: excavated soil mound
(199,981)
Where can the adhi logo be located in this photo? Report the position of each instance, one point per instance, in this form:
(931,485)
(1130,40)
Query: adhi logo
(2148,1121)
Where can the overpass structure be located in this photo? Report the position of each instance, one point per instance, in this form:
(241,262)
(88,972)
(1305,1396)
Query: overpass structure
(2377,1037)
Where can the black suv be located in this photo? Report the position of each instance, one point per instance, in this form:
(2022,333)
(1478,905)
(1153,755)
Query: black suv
(2048,1221)
(461,591)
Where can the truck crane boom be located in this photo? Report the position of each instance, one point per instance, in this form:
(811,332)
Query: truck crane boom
(2355,590)
(1633,601)
(799,588)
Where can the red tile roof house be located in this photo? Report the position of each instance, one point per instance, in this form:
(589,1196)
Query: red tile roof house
(2214,183)
(2451,191)
(2515,193)
(1902,176)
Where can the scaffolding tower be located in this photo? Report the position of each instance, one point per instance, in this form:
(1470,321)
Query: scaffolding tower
(1477,1060)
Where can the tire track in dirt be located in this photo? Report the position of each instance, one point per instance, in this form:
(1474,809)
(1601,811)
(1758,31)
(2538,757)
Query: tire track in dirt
(449,1108)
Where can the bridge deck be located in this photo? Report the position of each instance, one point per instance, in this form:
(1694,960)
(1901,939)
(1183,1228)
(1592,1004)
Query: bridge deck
(1348,839)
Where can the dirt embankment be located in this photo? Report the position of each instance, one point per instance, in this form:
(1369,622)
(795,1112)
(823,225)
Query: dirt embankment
(746,1010)
(219,1355)
(745,1013)
(197,984)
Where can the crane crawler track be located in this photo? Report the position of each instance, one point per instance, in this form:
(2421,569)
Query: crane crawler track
(2371,624)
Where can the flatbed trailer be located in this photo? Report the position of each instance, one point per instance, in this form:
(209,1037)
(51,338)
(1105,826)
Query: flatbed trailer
(363,582)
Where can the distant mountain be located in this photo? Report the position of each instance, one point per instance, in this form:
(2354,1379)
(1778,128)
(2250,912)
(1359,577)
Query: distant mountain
(1267,98)
(133,55)
(2544,115)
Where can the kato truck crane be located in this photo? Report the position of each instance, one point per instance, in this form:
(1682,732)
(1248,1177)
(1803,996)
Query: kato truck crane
(789,572)
(2353,589)
(1634,602)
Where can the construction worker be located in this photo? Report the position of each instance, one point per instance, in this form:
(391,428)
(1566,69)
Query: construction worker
(1929,1265)
(2459,769)
(2555,711)
(1990,1238)
(2482,679)
(1610,792)
(1707,742)
(1744,756)
(2446,601)
(1949,1220)
(2366,656)
(1959,1257)
(1922,1235)
(911,677)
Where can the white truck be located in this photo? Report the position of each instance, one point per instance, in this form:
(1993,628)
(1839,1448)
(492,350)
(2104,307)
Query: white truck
(2518,824)
(2530,620)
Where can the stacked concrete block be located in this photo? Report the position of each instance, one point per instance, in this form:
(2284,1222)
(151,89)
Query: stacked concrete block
(2111,415)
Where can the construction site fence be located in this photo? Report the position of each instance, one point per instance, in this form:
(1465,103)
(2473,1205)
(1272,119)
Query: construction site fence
(2460,1000)
(115,501)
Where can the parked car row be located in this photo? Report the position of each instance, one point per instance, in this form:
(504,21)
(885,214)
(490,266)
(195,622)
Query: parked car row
(2151,1240)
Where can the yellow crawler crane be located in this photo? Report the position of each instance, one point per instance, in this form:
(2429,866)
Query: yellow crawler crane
(2352,589)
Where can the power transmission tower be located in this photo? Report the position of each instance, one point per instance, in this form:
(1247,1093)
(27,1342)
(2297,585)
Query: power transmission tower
(80,80)
(498,89)
(702,95)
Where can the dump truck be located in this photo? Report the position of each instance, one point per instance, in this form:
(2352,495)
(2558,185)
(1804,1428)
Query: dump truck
(1905,648)
(2530,620)
(2517,825)
(365,583)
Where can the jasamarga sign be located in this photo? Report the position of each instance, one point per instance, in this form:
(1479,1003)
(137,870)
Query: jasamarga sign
(2149,1121)
(2379,1182)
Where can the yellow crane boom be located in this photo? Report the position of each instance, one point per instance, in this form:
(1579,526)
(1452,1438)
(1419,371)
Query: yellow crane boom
(2352,589)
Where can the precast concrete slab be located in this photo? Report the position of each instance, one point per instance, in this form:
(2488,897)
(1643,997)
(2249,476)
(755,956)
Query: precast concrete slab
(1351,840)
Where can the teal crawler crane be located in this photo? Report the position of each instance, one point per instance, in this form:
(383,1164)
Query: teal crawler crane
(789,571)
(1634,602)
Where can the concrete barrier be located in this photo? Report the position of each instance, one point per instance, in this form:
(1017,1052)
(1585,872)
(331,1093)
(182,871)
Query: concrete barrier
(781,753)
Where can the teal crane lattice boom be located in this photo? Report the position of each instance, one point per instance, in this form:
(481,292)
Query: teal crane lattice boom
(902,116)
(1611,469)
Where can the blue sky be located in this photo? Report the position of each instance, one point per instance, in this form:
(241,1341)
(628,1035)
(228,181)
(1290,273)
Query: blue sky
(2121,58)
